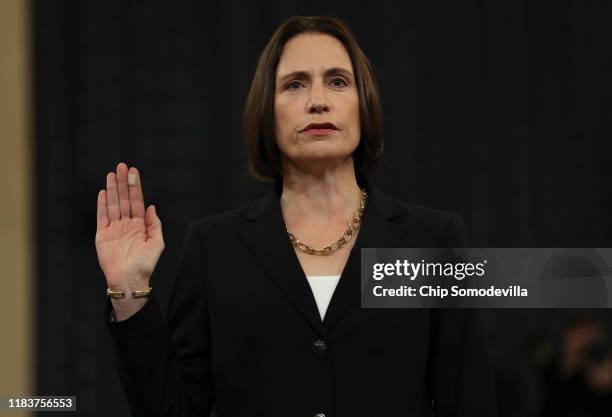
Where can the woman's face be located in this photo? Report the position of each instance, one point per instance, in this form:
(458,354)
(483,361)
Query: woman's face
(315,85)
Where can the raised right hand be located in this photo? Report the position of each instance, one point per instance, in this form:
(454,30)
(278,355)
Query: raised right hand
(129,239)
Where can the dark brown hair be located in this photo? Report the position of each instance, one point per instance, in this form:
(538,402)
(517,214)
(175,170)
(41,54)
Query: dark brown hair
(263,155)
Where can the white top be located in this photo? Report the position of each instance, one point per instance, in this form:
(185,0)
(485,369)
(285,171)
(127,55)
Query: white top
(323,287)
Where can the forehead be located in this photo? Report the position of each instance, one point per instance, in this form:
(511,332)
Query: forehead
(313,52)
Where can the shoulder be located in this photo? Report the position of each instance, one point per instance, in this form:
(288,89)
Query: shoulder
(429,216)
(445,226)
(212,229)
(225,219)
(442,225)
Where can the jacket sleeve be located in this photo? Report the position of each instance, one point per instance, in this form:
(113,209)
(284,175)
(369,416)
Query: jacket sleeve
(460,375)
(164,365)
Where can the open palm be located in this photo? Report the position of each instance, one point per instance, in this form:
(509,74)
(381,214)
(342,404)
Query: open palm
(129,239)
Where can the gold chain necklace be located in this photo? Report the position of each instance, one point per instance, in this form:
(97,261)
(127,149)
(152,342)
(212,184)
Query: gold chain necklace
(345,238)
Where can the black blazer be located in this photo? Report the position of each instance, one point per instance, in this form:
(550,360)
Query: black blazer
(243,331)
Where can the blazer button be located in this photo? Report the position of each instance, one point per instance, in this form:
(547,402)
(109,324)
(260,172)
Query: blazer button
(319,347)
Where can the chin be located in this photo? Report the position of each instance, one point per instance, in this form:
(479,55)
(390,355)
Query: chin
(323,157)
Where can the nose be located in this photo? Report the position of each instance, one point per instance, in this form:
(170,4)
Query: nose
(318,100)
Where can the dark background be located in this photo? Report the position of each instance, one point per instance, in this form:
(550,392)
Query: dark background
(498,111)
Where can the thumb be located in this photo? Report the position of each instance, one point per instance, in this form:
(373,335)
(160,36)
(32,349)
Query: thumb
(153,223)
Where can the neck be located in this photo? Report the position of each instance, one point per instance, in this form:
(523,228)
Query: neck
(320,198)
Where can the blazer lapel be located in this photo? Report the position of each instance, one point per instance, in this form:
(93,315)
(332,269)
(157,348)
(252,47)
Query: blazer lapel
(378,230)
(265,235)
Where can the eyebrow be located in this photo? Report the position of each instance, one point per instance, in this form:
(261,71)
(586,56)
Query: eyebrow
(304,74)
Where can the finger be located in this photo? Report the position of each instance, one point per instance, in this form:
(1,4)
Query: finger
(102,217)
(153,223)
(112,198)
(135,190)
(124,198)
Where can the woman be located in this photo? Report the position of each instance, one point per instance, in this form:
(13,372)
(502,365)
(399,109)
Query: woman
(264,317)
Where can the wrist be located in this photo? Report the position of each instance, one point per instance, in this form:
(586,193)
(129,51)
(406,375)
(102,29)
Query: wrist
(125,308)
(129,289)
(130,285)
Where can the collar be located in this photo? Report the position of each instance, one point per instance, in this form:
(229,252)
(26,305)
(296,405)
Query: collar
(266,237)
(377,204)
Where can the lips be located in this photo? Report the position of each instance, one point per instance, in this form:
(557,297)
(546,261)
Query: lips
(319,129)
(320,126)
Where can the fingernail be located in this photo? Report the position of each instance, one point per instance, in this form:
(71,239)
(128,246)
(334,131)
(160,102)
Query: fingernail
(131,178)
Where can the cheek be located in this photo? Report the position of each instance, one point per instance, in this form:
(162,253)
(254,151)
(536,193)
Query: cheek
(280,119)
(353,117)
(283,113)
(356,106)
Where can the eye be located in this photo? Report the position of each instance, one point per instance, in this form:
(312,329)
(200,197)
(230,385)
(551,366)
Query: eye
(293,85)
(339,82)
